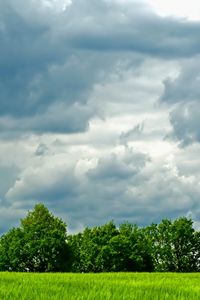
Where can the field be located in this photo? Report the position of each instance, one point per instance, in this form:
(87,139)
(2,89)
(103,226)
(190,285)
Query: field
(144,286)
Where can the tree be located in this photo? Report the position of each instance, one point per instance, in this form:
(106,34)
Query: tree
(174,246)
(184,243)
(41,244)
(109,249)
(11,245)
(38,245)
(197,251)
(86,248)
(163,246)
(127,250)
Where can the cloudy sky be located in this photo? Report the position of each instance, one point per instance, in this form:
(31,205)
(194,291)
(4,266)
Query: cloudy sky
(99,110)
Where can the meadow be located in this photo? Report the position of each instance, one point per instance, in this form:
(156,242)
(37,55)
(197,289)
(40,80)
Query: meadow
(127,286)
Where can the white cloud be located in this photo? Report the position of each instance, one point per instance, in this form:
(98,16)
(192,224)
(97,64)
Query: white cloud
(86,95)
(189,9)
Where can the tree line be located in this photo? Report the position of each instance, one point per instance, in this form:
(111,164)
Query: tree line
(41,244)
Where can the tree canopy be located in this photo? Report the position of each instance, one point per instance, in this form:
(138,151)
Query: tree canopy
(171,246)
(41,244)
(38,244)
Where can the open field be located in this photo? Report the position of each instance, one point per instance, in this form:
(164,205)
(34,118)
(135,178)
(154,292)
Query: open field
(154,286)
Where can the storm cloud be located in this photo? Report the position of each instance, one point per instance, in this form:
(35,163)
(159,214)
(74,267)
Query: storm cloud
(50,60)
(183,93)
(99,105)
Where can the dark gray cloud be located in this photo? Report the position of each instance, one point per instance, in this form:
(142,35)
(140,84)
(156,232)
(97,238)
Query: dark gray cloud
(88,198)
(58,118)
(183,92)
(40,73)
(8,176)
(121,186)
(54,59)
(41,150)
(132,134)
(48,182)
(91,75)
(9,217)
(184,88)
(114,167)
(186,123)
(130,26)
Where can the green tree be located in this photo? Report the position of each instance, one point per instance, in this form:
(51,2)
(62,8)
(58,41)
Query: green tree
(114,256)
(86,247)
(184,245)
(174,246)
(38,245)
(163,248)
(197,251)
(126,251)
(11,245)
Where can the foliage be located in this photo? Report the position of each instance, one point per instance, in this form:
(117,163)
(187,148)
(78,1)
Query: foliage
(171,246)
(127,251)
(86,247)
(41,244)
(174,246)
(38,245)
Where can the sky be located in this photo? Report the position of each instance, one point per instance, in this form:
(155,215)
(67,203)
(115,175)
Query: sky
(99,110)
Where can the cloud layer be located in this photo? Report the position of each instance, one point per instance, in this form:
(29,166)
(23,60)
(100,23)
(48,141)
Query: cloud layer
(98,111)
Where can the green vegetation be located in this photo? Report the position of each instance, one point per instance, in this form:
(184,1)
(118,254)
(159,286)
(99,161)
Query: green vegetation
(171,246)
(38,245)
(117,286)
(41,244)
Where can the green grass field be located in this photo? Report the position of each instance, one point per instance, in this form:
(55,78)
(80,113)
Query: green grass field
(144,286)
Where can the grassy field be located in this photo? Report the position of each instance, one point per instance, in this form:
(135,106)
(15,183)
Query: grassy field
(144,286)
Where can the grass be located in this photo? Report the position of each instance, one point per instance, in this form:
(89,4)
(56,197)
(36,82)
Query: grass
(119,286)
